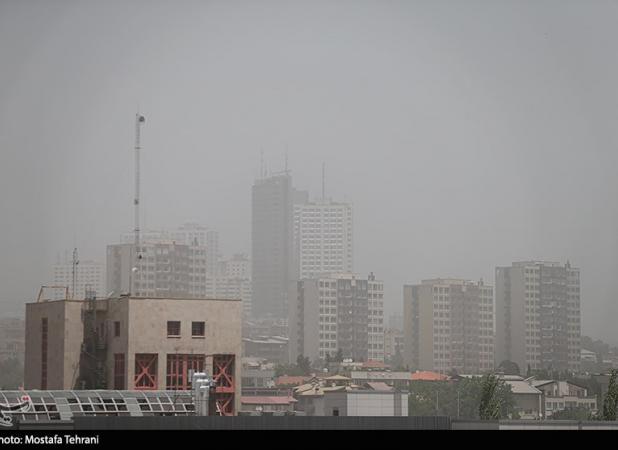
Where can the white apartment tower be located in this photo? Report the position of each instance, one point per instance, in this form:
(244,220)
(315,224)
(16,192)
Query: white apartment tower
(375,324)
(323,238)
(233,280)
(89,279)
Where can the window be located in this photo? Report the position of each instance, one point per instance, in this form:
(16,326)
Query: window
(116,329)
(44,330)
(119,370)
(179,369)
(146,371)
(198,329)
(173,328)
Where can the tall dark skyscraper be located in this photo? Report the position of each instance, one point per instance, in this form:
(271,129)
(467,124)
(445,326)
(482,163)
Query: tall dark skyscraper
(274,260)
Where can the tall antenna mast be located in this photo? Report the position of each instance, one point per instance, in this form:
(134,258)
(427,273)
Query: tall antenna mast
(139,121)
(286,160)
(261,163)
(75,263)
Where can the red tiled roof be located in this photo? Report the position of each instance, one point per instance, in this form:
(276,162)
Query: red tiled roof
(379,386)
(425,375)
(373,364)
(287,380)
(265,400)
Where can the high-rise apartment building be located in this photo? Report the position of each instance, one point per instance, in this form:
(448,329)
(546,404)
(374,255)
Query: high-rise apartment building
(448,324)
(233,280)
(89,279)
(191,234)
(323,238)
(165,269)
(337,312)
(538,315)
(273,257)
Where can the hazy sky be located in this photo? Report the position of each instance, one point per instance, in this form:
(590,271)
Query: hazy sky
(467,134)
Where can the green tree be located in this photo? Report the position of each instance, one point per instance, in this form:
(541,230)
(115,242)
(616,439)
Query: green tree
(339,356)
(303,364)
(490,407)
(454,398)
(611,398)
(509,367)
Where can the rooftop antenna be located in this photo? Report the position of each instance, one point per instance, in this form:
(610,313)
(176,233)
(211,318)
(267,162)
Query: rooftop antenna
(323,181)
(286,160)
(139,121)
(75,263)
(261,163)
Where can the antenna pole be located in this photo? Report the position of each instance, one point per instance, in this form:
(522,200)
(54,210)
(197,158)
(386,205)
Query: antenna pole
(139,121)
(75,263)
(323,181)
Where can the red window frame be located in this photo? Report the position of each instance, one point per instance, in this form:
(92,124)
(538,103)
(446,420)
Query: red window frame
(178,367)
(119,371)
(44,336)
(146,371)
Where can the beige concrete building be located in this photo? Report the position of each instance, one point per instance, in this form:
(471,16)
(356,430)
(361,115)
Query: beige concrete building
(12,338)
(337,312)
(538,320)
(449,324)
(134,343)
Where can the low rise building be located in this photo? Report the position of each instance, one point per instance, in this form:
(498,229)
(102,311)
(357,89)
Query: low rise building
(561,395)
(134,343)
(340,396)
(263,404)
(271,348)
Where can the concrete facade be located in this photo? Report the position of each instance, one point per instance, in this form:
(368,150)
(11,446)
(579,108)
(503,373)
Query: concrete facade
(115,331)
(449,324)
(53,363)
(12,338)
(323,236)
(538,321)
(274,261)
(89,279)
(337,312)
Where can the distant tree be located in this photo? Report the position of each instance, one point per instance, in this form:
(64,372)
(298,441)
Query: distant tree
(303,364)
(508,368)
(611,398)
(454,398)
(328,359)
(339,356)
(396,361)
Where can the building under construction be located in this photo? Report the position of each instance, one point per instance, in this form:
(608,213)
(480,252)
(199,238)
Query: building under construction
(134,343)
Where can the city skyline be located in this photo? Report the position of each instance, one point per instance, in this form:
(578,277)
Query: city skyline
(457,157)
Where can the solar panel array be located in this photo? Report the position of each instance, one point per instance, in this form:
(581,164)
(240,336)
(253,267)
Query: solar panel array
(64,405)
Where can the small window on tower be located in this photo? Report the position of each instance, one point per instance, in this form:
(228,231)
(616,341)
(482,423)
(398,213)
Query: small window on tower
(173,328)
(116,329)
